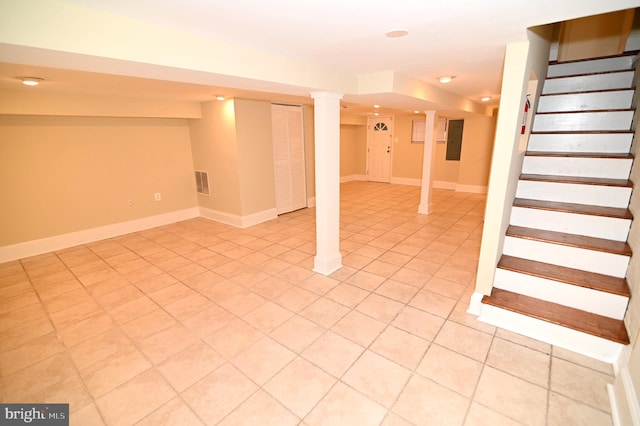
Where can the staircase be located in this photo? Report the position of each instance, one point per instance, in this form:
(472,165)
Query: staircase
(561,278)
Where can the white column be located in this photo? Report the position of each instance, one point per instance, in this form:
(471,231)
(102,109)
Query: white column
(327,151)
(426,206)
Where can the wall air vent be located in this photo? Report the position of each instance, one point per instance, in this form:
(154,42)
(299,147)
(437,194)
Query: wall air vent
(202,182)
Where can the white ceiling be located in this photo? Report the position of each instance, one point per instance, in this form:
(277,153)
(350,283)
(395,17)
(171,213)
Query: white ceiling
(462,38)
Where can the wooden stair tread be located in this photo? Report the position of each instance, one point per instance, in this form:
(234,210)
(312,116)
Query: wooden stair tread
(586,111)
(614,212)
(586,322)
(571,240)
(595,58)
(582,92)
(578,180)
(591,280)
(581,132)
(578,154)
(585,74)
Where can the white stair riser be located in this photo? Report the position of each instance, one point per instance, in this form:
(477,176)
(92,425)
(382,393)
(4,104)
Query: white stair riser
(586,101)
(616,80)
(611,168)
(569,223)
(597,195)
(571,257)
(553,334)
(577,142)
(585,67)
(585,299)
(579,121)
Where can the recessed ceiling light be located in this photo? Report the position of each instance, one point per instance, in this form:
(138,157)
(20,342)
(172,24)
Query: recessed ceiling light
(376,106)
(376,113)
(416,112)
(485,98)
(396,33)
(220,97)
(445,79)
(30,81)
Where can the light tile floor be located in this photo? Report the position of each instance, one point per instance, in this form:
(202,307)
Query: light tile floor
(201,323)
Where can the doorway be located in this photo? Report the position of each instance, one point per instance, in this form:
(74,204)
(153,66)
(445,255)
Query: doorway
(379,148)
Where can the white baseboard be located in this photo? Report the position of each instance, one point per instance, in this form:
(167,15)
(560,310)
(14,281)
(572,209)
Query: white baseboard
(475,189)
(425,208)
(475,304)
(59,242)
(239,221)
(406,181)
(625,407)
(351,178)
(440,184)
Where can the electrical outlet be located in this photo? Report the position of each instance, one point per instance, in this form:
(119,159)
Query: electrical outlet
(157,196)
(130,200)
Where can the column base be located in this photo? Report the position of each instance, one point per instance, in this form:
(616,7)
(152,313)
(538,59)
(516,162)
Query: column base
(327,265)
(425,209)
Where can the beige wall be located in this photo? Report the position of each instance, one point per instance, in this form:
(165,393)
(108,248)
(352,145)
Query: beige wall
(233,143)
(445,170)
(471,170)
(353,150)
(66,174)
(477,146)
(255,154)
(214,146)
(407,157)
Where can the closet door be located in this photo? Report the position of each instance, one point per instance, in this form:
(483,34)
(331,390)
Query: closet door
(288,158)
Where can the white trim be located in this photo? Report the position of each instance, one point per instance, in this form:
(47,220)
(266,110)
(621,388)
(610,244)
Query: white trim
(327,265)
(475,304)
(629,395)
(311,201)
(406,181)
(239,221)
(351,178)
(72,239)
(425,208)
(440,184)
(613,404)
(258,218)
(576,341)
(475,189)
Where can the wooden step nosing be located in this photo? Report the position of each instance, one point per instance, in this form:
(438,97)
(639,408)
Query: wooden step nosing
(574,208)
(593,281)
(599,58)
(580,132)
(570,240)
(575,180)
(587,111)
(590,74)
(581,155)
(587,318)
(587,92)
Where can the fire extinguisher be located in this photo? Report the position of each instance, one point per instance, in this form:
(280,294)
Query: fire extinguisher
(527,105)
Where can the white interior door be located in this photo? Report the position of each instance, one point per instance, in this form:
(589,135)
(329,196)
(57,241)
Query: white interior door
(379,146)
(288,158)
